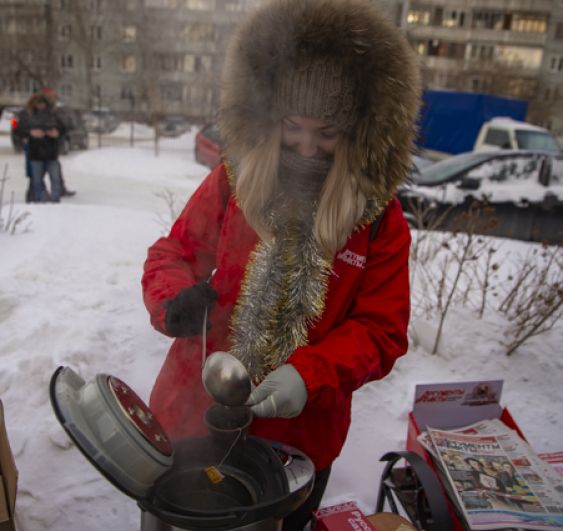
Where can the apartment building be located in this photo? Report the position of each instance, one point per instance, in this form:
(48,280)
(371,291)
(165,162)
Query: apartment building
(24,50)
(165,56)
(505,47)
(142,57)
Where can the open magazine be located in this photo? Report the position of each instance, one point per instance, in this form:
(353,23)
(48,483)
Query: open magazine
(495,479)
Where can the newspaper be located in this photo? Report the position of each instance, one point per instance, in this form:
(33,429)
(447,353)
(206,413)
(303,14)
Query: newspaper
(555,460)
(495,479)
(548,464)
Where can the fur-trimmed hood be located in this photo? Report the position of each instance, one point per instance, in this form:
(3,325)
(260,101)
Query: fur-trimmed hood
(371,48)
(37,98)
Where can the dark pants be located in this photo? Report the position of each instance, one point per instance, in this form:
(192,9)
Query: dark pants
(298,519)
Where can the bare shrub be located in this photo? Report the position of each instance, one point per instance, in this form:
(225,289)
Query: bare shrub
(460,268)
(11,221)
(170,199)
(534,300)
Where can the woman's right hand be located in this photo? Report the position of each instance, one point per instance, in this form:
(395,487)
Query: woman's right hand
(37,133)
(185,313)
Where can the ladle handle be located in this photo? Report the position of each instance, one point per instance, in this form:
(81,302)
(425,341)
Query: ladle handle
(204,333)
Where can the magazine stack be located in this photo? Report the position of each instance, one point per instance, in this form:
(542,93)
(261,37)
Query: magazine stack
(494,478)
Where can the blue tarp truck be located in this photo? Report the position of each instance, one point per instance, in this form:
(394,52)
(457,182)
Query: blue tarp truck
(450,120)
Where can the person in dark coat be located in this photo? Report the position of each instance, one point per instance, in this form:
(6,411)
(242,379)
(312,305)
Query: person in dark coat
(43,129)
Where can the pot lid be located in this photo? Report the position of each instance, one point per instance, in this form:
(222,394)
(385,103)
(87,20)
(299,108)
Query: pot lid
(113,428)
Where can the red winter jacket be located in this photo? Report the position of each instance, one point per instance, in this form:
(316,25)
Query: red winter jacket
(361,333)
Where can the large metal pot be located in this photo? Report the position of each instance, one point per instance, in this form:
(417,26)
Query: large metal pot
(200,483)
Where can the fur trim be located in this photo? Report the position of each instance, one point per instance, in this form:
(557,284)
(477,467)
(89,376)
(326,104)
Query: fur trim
(37,98)
(372,50)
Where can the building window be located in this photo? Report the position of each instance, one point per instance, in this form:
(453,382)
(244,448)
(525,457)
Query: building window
(529,23)
(453,19)
(67,61)
(482,52)
(488,20)
(129,64)
(522,88)
(558,32)
(234,5)
(189,63)
(451,50)
(419,17)
(200,95)
(96,62)
(203,63)
(201,5)
(556,64)
(96,32)
(170,63)
(420,48)
(38,25)
(520,56)
(199,32)
(129,33)
(170,4)
(172,92)
(65,32)
(128,93)
(95,5)
(66,91)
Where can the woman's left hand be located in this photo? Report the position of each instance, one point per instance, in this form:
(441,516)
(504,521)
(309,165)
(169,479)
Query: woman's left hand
(281,394)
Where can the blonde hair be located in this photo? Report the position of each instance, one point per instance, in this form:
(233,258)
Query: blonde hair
(342,201)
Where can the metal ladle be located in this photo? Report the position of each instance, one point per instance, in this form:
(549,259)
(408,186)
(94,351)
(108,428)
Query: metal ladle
(224,377)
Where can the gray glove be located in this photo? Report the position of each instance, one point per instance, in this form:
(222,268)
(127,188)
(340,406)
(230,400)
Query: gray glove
(281,394)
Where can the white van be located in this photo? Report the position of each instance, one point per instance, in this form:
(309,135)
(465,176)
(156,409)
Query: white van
(506,133)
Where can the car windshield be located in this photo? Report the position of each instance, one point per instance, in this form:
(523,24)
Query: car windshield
(537,140)
(443,170)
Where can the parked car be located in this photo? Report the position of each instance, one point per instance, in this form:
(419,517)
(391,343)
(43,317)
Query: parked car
(506,133)
(208,146)
(523,190)
(173,125)
(75,137)
(10,114)
(101,120)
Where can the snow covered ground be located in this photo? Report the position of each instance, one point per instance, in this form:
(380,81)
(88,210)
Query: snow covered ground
(70,295)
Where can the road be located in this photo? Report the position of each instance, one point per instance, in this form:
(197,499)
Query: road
(132,177)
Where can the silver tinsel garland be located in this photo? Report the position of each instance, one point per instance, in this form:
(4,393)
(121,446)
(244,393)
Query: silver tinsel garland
(284,288)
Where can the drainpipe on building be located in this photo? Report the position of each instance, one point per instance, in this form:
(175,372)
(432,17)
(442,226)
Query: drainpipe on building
(404,15)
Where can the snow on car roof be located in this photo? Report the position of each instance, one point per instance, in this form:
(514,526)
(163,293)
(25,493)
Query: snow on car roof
(510,122)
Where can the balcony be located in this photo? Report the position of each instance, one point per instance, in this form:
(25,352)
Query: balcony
(476,35)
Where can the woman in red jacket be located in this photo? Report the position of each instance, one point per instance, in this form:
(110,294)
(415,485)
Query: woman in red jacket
(318,108)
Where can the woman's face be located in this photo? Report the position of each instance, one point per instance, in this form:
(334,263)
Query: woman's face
(310,137)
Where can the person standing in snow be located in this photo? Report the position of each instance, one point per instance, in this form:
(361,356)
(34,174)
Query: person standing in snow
(43,129)
(309,245)
(28,118)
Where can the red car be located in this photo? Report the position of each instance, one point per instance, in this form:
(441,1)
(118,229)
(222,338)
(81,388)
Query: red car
(208,146)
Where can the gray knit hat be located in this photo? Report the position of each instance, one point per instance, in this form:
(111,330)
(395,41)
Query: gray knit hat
(318,88)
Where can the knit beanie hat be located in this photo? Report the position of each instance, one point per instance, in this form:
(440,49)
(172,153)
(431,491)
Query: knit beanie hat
(318,88)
